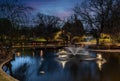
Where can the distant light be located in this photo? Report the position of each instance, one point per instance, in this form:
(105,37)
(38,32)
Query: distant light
(18,54)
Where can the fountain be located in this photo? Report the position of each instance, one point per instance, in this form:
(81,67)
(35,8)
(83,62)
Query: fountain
(78,52)
(73,51)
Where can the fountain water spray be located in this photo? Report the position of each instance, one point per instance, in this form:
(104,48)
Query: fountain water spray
(76,51)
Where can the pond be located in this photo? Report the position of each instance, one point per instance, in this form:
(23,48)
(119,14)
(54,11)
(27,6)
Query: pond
(46,65)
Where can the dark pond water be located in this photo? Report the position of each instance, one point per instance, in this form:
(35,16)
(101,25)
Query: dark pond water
(28,65)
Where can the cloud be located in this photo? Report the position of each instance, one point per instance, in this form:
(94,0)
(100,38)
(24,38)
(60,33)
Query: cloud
(63,14)
(60,8)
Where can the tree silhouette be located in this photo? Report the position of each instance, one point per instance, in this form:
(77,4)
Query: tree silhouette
(74,26)
(5,26)
(13,14)
(113,23)
(15,11)
(96,14)
(6,30)
(47,26)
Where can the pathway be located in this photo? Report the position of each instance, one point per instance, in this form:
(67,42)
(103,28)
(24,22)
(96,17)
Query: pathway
(107,50)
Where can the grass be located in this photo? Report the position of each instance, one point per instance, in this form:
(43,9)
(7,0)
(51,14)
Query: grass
(2,78)
(101,41)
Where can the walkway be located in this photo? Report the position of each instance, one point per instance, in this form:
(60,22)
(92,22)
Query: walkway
(39,46)
(107,50)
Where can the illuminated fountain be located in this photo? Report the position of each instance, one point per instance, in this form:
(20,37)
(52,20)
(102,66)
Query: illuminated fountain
(80,53)
(76,51)
(68,52)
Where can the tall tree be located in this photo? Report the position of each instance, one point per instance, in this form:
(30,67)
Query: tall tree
(74,26)
(12,14)
(95,14)
(5,29)
(47,26)
(15,11)
(5,26)
(113,23)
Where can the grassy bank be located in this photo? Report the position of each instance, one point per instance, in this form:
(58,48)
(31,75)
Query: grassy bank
(2,78)
(5,56)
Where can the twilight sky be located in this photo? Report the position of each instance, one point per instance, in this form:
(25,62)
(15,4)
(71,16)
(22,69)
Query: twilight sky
(60,8)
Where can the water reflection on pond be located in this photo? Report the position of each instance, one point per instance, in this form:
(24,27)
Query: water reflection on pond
(39,65)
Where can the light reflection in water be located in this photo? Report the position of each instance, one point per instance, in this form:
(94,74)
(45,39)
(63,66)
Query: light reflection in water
(63,63)
(18,54)
(33,53)
(41,53)
(37,68)
(100,61)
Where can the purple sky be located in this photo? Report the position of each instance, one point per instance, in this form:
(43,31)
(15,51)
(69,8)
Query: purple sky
(60,8)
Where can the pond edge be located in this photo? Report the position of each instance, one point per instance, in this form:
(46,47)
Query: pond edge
(4,74)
